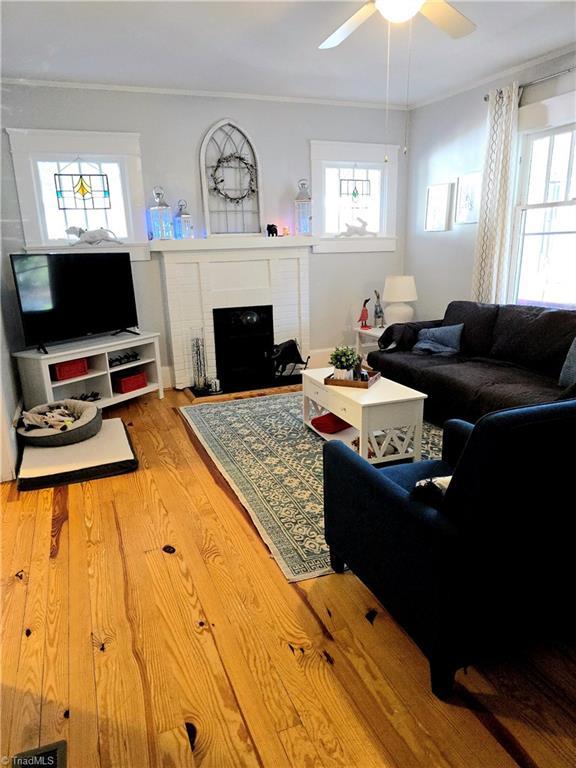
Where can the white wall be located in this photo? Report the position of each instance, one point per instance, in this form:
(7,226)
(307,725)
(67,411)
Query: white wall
(447,139)
(172,128)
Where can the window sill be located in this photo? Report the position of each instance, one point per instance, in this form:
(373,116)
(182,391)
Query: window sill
(138,251)
(355,244)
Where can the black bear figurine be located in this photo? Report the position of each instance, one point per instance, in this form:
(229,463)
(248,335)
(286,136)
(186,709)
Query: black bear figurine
(272,230)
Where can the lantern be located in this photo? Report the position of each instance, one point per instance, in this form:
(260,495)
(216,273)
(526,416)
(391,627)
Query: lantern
(161,217)
(303,208)
(183,228)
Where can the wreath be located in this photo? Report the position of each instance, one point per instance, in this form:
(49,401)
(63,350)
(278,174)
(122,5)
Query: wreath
(218,180)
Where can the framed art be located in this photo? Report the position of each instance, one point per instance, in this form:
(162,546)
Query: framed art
(468,198)
(438,207)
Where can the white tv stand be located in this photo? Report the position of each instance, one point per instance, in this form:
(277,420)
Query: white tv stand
(39,385)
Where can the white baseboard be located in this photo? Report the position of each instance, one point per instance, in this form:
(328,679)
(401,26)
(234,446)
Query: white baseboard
(167,376)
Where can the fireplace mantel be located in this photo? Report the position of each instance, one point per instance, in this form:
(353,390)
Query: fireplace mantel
(232,243)
(232,271)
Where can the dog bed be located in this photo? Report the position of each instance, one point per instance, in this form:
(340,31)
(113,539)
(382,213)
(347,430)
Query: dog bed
(108,453)
(88,423)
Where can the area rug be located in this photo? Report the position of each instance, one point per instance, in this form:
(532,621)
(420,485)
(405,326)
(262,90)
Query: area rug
(273,463)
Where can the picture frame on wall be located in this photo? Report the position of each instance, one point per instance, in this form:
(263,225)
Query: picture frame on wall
(467,208)
(438,200)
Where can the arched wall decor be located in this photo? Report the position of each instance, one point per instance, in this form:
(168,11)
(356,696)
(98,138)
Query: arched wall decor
(230,175)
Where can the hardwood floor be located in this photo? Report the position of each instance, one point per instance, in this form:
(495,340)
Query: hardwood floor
(132,654)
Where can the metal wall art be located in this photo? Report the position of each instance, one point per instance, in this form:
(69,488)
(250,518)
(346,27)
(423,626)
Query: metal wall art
(230,181)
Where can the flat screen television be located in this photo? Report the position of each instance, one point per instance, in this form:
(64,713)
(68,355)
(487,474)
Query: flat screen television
(66,296)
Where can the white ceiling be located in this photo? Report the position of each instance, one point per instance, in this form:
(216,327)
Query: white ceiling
(270,48)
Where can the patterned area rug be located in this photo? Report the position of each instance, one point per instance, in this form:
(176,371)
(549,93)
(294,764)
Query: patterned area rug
(274,465)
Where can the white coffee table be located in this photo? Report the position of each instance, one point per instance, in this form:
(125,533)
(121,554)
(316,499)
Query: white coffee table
(387,417)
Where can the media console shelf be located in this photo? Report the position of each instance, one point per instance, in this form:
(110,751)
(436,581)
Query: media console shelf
(39,384)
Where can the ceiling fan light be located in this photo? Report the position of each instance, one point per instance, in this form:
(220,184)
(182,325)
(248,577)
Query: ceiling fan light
(398,11)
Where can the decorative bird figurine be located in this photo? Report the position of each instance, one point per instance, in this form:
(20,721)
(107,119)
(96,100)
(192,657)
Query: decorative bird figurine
(364,315)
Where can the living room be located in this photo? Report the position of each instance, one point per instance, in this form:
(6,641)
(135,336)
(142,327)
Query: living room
(306,287)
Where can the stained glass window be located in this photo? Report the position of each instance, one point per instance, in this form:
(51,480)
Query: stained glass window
(354,188)
(85,191)
(57,219)
(352,193)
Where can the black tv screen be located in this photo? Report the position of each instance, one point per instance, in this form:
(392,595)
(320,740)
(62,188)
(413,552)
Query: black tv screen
(71,295)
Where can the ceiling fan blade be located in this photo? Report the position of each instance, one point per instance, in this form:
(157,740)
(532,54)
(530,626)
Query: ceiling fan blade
(349,26)
(447,18)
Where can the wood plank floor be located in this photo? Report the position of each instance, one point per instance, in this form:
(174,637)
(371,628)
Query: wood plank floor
(133,654)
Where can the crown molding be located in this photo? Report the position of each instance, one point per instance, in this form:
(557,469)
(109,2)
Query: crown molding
(143,89)
(558,53)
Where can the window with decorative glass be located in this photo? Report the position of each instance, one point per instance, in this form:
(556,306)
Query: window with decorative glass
(353,197)
(80,179)
(545,243)
(86,193)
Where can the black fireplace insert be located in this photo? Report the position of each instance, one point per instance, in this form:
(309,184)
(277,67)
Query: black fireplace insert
(244,338)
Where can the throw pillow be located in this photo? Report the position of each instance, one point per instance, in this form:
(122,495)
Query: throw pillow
(568,372)
(443,341)
(431,491)
(329,423)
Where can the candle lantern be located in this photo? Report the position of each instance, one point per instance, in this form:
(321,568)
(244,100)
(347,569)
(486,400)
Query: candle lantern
(183,228)
(303,208)
(161,217)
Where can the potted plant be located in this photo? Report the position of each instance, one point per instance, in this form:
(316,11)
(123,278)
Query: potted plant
(344,360)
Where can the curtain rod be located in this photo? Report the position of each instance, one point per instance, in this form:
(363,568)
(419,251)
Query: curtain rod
(541,79)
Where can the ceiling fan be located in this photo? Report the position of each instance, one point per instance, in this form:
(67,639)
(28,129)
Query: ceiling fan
(439,12)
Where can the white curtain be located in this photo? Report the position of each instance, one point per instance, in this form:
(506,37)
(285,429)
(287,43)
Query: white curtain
(492,254)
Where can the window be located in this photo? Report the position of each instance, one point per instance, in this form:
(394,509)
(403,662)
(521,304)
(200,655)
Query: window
(354,195)
(545,272)
(84,179)
(56,219)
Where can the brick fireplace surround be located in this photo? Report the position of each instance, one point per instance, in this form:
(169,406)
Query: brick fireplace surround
(232,271)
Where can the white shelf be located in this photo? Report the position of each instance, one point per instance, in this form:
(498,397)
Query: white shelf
(91,345)
(346,435)
(90,375)
(233,243)
(38,387)
(118,397)
(132,364)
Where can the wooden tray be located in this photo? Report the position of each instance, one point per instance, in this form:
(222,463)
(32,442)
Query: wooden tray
(374,376)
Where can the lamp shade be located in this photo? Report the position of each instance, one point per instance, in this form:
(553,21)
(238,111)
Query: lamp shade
(400,288)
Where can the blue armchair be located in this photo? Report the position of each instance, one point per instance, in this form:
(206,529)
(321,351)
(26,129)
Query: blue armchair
(494,565)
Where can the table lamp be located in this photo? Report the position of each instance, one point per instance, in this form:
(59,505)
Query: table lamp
(399,289)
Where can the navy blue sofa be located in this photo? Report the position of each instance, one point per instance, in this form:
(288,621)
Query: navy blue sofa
(493,566)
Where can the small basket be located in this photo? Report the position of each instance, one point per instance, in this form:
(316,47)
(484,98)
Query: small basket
(70,369)
(125,384)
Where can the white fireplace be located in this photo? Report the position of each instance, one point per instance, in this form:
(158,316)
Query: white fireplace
(233,271)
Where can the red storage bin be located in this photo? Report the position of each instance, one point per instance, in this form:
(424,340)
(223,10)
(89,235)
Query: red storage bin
(70,369)
(124,384)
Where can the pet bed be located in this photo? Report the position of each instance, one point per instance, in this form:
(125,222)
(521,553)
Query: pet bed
(108,453)
(88,423)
